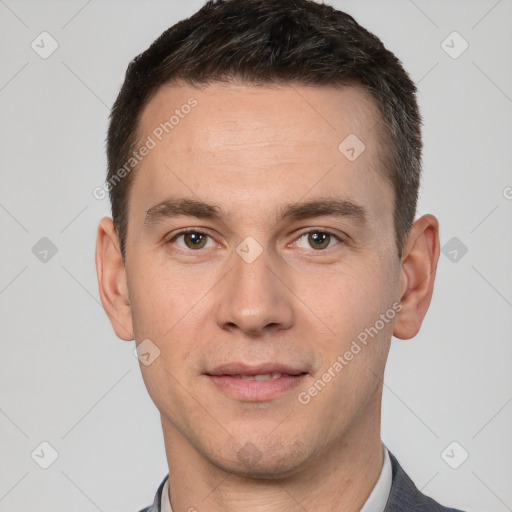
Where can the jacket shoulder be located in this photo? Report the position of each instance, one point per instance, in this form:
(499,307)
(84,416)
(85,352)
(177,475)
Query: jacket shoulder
(405,496)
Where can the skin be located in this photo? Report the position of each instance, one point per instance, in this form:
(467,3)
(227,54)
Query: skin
(252,151)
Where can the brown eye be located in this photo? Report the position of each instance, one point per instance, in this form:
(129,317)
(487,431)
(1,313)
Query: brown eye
(191,240)
(319,240)
(194,240)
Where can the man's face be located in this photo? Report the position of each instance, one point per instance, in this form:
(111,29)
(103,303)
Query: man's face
(289,300)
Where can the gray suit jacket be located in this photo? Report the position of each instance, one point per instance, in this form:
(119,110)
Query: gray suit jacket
(404,496)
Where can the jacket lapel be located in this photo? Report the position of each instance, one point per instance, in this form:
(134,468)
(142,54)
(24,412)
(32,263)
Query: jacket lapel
(405,497)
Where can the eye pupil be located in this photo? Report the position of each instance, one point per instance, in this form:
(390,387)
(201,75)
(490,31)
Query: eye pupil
(194,240)
(319,240)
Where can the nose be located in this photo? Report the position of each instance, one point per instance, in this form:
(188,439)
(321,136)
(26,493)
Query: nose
(255,298)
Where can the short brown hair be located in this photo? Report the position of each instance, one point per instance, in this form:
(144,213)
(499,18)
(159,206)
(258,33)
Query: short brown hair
(257,42)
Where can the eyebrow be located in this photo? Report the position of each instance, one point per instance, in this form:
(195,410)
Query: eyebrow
(174,207)
(170,208)
(324,207)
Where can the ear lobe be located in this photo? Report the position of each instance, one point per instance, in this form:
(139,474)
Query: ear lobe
(419,264)
(112,280)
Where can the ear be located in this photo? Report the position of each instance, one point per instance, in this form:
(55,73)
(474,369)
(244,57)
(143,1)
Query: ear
(112,280)
(419,264)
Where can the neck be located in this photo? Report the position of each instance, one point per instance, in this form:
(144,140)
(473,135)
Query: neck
(340,477)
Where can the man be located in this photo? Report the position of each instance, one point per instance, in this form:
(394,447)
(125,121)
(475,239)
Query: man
(264,162)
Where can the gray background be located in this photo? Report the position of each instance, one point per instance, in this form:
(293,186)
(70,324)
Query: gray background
(67,380)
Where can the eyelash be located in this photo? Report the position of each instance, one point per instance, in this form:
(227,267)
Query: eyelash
(317,231)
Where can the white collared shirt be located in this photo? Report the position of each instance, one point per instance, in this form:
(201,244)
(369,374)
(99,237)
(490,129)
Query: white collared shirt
(376,502)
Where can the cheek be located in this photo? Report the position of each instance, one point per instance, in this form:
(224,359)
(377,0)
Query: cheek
(170,308)
(350,299)
(159,302)
(356,306)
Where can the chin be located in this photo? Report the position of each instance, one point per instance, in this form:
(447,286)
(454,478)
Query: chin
(263,460)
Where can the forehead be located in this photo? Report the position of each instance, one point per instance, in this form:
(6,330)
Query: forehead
(275,141)
(313,114)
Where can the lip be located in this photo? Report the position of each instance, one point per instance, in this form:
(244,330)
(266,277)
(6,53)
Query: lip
(228,379)
(259,369)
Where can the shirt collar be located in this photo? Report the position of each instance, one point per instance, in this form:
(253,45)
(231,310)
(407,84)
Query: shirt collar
(378,498)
